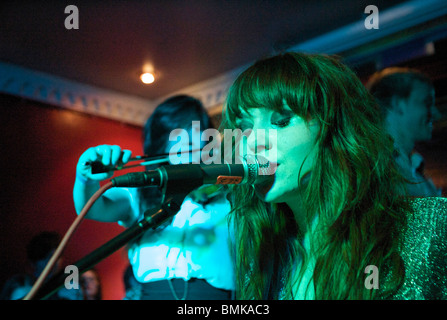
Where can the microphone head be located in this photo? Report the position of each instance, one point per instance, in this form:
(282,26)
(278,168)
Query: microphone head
(261,174)
(259,168)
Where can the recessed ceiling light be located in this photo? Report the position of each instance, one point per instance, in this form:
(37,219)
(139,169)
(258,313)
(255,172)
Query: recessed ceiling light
(147,77)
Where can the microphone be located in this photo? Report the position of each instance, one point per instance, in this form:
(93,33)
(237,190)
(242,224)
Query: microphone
(182,177)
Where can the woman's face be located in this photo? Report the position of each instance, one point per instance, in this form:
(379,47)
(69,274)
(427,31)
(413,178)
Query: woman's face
(90,284)
(287,141)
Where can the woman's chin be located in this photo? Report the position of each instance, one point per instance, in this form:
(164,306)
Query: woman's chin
(274,195)
(267,195)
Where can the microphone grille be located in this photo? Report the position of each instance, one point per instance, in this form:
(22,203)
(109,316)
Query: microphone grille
(252,167)
(258,166)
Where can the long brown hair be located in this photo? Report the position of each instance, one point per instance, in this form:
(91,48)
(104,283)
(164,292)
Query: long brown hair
(354,186)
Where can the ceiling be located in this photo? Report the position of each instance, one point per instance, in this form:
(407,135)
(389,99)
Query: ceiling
(186,41)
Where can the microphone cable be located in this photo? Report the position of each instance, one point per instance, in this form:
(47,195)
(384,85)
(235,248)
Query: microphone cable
(58,252)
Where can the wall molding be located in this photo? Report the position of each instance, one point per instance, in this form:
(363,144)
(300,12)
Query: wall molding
(57,91)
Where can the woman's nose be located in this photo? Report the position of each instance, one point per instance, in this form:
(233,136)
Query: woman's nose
(259,140)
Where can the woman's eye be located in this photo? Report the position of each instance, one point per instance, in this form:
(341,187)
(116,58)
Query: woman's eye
(281,122)
(281,119)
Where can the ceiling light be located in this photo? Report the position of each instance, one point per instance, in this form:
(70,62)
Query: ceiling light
(147,77)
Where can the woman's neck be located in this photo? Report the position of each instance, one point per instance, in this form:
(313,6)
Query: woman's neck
(302,282)
(300,214)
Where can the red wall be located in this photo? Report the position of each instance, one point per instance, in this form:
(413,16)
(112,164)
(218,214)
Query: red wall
(40,146)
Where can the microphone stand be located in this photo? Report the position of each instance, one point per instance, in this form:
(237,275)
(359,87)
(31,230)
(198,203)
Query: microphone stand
(151,220)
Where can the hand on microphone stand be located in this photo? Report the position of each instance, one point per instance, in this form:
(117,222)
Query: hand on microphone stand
(171,263)
(107,156)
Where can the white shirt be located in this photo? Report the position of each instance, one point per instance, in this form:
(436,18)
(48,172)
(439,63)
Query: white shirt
(194,245)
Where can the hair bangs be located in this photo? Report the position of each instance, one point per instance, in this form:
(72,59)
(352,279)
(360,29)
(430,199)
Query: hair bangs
(268,85)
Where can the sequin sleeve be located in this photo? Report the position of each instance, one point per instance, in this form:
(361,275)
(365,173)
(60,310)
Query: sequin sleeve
(423,250)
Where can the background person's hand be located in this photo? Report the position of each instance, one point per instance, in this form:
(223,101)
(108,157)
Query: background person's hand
(108,155)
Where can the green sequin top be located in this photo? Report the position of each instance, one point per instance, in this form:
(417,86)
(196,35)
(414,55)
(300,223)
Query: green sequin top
(424,251)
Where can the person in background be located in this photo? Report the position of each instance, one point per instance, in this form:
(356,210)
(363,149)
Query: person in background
(39,251)
(189,258)
(91,285)
(407,100)
(336,221)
